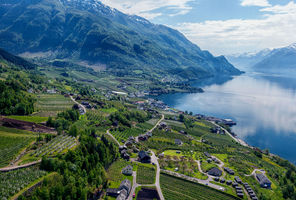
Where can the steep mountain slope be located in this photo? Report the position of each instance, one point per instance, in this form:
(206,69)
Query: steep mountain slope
(279,60)
(246,61)
(16,60)
(87,30)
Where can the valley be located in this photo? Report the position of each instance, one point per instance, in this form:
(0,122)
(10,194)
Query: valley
(96,104)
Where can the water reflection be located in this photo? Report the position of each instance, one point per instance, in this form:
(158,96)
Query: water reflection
(263,106)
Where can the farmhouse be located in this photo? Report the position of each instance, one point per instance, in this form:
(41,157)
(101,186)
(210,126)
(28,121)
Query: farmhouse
(178,142)
(143,137)
(263,181)
(123,152)
(113,192)
(122,192)
(228,170)
(238,180)
(144,157)
(229,182)
(125,185)
(215,172)
(128,170)
(207,155)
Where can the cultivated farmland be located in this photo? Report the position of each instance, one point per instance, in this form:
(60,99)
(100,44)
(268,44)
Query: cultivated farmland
(178,189)
(14,181)
(11,143)
(146,174)
(56,146)
(50,104)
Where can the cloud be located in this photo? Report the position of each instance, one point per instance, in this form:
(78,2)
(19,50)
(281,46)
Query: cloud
(148,8)
(276,29)
(260,3)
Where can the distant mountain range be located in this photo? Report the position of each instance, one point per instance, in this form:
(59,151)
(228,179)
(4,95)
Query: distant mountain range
(268,60)
(89,31)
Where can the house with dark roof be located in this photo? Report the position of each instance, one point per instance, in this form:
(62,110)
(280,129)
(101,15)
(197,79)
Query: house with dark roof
(178,142)
(143,137)
(144,157)
(207,155)
(263,181)
(228,170)
(238,180)
(122,192)
(215,172)
(113,192)
(229,182)
(128,170)
(125,185)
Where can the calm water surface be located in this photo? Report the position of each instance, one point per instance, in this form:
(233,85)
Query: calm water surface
(264,107)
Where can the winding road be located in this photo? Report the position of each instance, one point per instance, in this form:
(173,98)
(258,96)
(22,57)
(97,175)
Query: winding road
(79,104)
(7,169)
(243,143)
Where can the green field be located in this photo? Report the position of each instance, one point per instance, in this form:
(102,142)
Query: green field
(56,146)
(127,133)
(114,173)
(12,142)
(146,174)
(50,104)
(14,181)
(35,119)
(178,189)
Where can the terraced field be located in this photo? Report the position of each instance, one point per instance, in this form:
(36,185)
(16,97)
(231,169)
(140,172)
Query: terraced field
(56,146)
(12,142)
(50,104)
(14,181)
(178,189)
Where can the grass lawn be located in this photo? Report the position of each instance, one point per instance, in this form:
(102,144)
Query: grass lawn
(179,189)
(205,166)
(146,174)
(173,153)
(35,119)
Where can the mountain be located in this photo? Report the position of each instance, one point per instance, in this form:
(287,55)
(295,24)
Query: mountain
(89,31)
(278,60)
(16,60)
(245,61)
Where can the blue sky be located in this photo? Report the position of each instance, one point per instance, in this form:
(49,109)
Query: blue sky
(222,26)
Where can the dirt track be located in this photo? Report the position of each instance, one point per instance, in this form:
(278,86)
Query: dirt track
(28,126)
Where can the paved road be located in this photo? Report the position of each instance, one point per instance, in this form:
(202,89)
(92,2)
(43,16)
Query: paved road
(162,118)
(157,182)
(82,106)
(154,127)
(135,185)
(7,169)
(108,133)
(153,160)
(243,143)
(256,170)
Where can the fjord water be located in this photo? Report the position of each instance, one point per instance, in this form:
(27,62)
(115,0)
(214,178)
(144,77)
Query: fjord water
(264,107)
